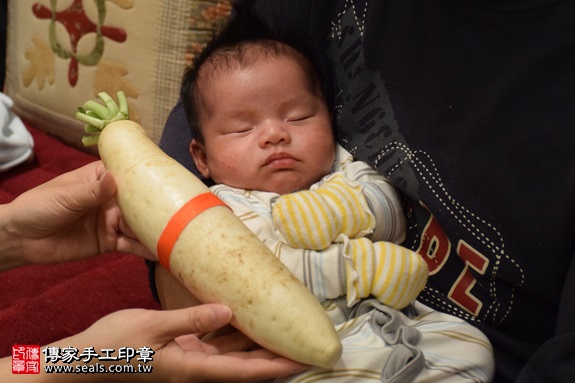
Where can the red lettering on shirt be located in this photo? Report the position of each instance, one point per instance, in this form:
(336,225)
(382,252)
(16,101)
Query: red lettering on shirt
(460,293)
(434,246)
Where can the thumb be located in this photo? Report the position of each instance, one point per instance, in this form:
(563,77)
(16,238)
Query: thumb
(91,194)
(103,189)
(194,320)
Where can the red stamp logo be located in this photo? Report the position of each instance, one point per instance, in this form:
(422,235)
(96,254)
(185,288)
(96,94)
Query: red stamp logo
(26,359)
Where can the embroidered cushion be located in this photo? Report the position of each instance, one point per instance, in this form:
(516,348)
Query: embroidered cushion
(63,54)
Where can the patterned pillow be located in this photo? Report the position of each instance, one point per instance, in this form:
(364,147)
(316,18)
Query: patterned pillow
(63,53)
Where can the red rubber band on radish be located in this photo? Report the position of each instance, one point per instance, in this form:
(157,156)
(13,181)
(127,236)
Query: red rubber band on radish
(180,220)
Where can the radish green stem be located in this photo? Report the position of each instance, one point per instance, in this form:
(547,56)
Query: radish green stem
(98,116)
(96,108)
(90,140)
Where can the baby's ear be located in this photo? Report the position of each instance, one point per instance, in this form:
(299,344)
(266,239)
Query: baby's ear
(198,153)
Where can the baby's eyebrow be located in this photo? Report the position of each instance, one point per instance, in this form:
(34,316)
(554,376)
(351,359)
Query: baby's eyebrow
(293,101)
(239,114)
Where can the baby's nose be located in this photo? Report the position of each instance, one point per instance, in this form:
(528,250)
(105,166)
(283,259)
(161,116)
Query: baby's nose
(274,133)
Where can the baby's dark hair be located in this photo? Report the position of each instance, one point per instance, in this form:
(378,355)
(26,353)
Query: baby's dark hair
(229,52)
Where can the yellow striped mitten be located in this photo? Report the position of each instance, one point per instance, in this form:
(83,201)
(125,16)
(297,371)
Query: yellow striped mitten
(389,272)
(312,219)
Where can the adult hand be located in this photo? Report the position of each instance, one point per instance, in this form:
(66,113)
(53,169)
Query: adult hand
(73,216)
(179,354)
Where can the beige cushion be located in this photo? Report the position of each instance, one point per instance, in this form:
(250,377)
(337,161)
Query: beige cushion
(141,47)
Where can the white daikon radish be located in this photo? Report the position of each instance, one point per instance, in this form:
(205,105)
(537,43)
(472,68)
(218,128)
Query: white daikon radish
(204,244)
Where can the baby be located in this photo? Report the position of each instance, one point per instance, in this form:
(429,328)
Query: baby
(262,132)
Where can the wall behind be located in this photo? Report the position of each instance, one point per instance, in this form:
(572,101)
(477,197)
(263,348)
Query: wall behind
(3,23)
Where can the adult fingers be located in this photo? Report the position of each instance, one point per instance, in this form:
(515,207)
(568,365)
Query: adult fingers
(192,320)
(248,366)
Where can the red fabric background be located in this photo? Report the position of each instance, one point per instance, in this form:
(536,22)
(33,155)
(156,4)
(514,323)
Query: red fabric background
(42,304)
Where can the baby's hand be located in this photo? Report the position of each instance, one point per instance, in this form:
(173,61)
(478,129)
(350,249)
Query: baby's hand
(313,219)
(391,273)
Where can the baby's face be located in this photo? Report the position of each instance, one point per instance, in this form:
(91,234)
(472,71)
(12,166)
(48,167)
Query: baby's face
(266,129)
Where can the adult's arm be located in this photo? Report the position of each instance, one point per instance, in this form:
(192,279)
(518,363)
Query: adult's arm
(73,216)
(179,354)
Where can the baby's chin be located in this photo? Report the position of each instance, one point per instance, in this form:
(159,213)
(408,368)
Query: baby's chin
(285,188)
(279,184)
(290,184)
